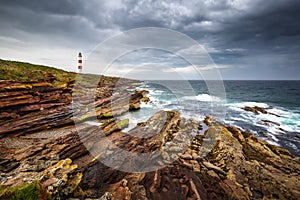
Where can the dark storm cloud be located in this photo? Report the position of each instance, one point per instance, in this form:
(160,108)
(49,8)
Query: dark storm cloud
(246,34)
(265,26)
(63,20)
(54,6)
(251,34)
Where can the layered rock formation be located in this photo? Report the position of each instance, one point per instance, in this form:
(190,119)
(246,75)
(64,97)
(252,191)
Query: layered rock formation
(222,163)
(38,105)
(44,155)
(29,106)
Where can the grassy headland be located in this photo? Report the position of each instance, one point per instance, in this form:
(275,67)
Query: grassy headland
(22,71)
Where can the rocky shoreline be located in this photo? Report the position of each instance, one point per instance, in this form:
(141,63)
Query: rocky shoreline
(43,154)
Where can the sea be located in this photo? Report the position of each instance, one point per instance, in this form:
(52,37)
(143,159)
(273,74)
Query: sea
(196,99)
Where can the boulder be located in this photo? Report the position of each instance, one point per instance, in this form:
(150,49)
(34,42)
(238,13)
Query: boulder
(255,109)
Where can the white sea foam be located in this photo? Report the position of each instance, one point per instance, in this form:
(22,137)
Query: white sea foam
(278,111)
(202,97)
(93,123)
(235,118)
(290,128)
(188,115)
(239,105)
(146,105)
(248,117)
(286,120)
(238,109)
(291,122)
(242,129)
(275,130)
(229,122)
(273,143)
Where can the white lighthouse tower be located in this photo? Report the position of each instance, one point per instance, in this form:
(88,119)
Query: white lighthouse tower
(79,62)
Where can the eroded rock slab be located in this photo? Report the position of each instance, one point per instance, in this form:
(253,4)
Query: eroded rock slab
(224,163)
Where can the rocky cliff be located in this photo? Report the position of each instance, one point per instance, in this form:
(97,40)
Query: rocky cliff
(45,156)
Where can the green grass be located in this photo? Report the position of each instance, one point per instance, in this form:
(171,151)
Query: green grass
(21,71)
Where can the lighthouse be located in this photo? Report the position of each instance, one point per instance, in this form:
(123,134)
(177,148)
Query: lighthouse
(79,62)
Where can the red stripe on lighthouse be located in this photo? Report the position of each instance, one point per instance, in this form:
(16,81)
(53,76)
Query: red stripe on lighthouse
(79,62)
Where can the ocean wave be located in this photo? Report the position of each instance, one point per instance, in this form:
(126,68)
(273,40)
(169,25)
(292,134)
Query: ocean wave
(279,119)
(202,97)
(238,105)
(272,142)
(275,131)
(284,120)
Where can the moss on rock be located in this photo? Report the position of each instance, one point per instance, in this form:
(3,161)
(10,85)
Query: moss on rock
(28,191)
(123,123)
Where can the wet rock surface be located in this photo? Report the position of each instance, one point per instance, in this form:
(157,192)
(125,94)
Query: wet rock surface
(179,159)
(259,110)
(238,165)
(255,109)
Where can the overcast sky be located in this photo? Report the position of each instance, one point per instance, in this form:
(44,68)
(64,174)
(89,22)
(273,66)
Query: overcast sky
(247,39)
